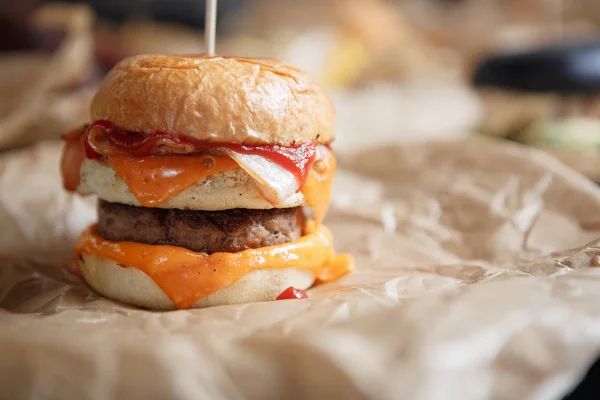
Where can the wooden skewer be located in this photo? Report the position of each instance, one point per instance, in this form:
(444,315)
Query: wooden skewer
(210,26)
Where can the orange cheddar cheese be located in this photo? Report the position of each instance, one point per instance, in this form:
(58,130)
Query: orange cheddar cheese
(155,179)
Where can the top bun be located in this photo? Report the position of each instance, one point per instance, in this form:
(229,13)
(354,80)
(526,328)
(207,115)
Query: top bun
(218,99)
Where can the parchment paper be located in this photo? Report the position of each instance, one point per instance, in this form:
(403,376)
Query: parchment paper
(475,279)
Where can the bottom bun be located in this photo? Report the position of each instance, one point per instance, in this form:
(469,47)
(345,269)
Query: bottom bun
(131,286)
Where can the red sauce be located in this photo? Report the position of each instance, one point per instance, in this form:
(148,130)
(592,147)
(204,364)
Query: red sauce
(292,293)
(104,138)
(298,159)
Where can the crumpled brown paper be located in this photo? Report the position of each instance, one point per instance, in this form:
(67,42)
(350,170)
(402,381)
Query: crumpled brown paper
(475,279)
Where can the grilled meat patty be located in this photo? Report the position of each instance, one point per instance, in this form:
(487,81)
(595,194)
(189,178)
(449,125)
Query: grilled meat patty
(203,231)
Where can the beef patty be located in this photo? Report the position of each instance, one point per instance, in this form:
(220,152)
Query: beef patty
(203,231)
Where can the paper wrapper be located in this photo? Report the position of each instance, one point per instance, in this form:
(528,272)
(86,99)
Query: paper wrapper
(466,287)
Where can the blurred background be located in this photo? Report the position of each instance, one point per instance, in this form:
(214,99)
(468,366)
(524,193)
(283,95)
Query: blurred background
(523,70)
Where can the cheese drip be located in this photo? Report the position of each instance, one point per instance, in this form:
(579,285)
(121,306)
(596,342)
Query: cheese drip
(317,190)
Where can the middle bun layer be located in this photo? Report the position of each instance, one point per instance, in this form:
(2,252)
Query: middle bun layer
(221,191)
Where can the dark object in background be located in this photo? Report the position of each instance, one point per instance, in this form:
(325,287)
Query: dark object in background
(14,32)
(589,387)
(547,98)
(17,34)
(187,12)
(567,68)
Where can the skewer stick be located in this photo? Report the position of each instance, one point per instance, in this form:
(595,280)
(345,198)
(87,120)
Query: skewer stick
(210,25)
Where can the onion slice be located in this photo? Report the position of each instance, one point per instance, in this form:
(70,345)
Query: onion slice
(274,183)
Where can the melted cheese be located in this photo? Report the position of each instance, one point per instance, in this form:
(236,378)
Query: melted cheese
(185,275)
(155,179)
(317,189)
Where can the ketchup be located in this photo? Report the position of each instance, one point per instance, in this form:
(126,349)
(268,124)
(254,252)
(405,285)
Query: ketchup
(292,293)
(298,159)
(102,137)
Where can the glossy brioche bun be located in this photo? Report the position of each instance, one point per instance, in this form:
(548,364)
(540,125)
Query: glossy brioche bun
(131,286)
(218,99)
(220,191)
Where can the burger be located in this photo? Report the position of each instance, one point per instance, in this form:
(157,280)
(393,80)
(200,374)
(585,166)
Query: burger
(213,175)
